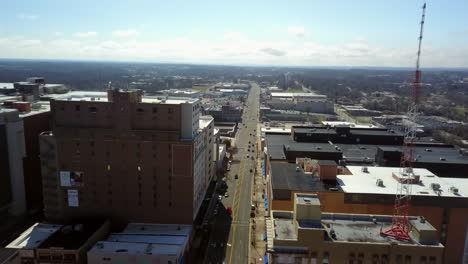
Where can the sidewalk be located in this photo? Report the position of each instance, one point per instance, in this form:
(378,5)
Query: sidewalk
(258,245)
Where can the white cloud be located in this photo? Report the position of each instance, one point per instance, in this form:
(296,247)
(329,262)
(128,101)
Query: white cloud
(27,16)
(125,33)
(87,34)
(297,31)
(232,48)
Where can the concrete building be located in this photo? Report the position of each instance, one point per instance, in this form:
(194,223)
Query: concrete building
(52,243)
(20,125)
(127,157)
(224,113)
(12,152)
(308,235)
(143,243)
(304,102)
(372,190)
(360,146)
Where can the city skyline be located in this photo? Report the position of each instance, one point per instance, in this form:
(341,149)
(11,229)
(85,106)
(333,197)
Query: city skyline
(260,33)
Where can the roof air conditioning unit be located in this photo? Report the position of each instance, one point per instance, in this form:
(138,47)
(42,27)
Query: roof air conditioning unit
(365,169)
(454,189)
(435,186)
(379,183)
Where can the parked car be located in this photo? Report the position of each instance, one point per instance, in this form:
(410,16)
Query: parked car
(252,213)
(229,210)
(220,197)
(226,194)
(236,177)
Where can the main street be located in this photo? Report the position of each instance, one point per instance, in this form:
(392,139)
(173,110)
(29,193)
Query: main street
(229,240)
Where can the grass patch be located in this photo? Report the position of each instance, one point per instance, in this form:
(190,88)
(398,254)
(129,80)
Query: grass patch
(201,88)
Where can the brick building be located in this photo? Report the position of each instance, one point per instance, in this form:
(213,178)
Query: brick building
(127,157)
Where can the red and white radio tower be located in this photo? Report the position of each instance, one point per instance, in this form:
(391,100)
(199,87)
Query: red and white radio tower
(400,224)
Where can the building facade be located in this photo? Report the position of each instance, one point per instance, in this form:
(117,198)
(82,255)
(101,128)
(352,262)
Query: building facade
(306,235)
(125,156)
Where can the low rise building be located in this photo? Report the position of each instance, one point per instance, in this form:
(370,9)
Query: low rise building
(304,102)
(308,235)
(143,243)
(53,243)
(371,190)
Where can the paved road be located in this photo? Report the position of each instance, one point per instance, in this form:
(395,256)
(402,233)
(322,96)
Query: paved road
(229,236)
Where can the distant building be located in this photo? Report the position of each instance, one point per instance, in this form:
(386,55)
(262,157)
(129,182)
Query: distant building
(20,178)
(180,93)
(359,110)
(52,243)
(304,102)
(225,113)
(143,243)
(308,235)
(127,157)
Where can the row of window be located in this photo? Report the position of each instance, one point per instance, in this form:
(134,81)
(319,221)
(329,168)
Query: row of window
(93,109)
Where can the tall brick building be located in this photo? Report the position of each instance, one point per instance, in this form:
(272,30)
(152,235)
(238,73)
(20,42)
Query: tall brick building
(127,157)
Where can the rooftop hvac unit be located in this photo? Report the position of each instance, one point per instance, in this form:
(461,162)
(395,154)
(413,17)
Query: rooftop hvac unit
(443,159)
(435,186)
(365,169)
(297,168)
(454,189)
(379,183)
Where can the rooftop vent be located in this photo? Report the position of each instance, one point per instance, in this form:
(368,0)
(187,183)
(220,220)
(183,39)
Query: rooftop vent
(379,183)
(443,159)
(307,200)
(454,189)
(365,169)
(318,148)
(435,186)
(428,150)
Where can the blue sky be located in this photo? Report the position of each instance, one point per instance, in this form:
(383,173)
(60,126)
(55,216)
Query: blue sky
(311,33)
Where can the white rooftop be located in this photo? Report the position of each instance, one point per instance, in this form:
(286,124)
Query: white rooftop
(205,120)
(152,239)
(34,236)
(312,95)
(7,86)
(350,124)
(365,182)
(102,97)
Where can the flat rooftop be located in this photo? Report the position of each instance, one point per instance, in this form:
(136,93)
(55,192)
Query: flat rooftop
(347,228)
(302,95)
(364,153)
(205,120)
(285,178)
(102,97)
(7,86)
(365,182)
(34,236)
(146,239)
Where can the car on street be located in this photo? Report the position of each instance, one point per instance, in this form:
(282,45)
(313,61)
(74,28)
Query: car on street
(236,177)
(252,207)
(252,213)
(229,210)
(226,195)
(220,197)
